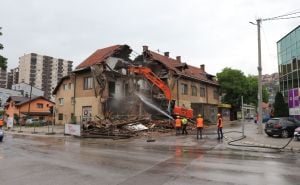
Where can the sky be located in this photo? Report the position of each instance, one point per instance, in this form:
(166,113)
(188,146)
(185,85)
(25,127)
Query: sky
(210,32)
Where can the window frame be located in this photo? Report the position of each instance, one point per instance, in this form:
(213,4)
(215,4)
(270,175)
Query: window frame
(39,105)
(184,89)
(87,83)
(202,92)
(61,101)
(194,90)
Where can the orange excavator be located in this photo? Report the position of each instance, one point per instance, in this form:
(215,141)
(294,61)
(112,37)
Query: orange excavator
(152,77)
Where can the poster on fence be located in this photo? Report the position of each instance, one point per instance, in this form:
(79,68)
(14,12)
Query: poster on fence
(72,129)
(10,122)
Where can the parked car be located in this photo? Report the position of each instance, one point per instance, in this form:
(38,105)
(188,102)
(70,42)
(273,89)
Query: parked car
(297,133)
(283,127)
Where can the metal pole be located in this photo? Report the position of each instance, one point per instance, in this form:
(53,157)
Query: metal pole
(259,68)
(243,118)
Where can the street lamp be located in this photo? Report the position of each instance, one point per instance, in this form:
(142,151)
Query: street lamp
(259,68)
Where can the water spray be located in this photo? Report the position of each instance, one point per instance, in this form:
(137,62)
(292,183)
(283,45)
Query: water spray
(150,104)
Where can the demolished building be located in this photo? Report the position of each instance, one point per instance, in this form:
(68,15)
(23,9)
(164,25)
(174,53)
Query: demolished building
(102,86)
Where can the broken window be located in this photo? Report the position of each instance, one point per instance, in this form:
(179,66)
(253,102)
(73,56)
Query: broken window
(184,89)
(126,90)
(202,91)
(194,90)
(111,88)
(88,83)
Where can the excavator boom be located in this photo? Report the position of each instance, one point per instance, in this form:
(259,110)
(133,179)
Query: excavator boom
(147,72)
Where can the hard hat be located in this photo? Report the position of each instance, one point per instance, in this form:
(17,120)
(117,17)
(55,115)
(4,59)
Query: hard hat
(218,114)
(177,116)
(199,115)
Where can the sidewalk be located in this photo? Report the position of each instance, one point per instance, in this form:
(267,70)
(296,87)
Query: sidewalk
(255,139)
(45,131)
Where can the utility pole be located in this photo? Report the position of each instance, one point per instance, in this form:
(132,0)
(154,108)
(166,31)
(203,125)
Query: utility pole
(259,68)
(243,117)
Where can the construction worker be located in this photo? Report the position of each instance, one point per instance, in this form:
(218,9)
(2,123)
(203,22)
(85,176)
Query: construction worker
(178,125)
(184,124)
(199,121)
(1,123)
(220,126)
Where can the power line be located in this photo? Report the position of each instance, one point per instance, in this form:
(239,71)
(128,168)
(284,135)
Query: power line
(286,18)
(284,15)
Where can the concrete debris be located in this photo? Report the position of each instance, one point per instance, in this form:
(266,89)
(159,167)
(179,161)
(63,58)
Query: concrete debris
(121,129)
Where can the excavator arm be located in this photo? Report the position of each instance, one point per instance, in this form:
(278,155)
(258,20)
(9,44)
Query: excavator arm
(147,73)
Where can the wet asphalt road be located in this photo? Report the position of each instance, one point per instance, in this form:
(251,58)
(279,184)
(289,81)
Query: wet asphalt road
(168,161)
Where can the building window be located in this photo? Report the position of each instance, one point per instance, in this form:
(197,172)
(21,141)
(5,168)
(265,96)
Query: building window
(65,86)
(88,83)
(194,90)
(216,94)
(184,89)
(60,116)
(61,101)
(202,91)
(111,89)
(72,100)
(70,86)
(39,105)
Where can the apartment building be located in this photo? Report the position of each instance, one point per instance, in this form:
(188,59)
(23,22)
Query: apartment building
(43,72)
(27,90)
(3,78)
(12,77)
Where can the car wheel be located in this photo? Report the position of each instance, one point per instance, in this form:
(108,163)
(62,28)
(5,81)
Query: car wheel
(284,134)
(270,135)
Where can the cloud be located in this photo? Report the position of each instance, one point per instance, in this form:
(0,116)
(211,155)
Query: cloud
(210,32)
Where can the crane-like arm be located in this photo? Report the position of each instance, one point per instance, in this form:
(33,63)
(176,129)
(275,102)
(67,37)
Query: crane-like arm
(147,72)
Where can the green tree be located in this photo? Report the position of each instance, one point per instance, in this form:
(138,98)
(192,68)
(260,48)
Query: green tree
(280,107)
(250,96)
(232,83)
(3,60)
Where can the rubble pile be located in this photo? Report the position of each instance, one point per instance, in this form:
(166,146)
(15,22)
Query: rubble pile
(126,128)
(123,128)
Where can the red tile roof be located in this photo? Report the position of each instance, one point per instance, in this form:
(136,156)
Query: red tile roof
(173,64)
(99,56)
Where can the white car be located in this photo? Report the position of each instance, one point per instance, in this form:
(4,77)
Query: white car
(297,133)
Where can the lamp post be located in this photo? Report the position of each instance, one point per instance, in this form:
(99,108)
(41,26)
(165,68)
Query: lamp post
(259,68)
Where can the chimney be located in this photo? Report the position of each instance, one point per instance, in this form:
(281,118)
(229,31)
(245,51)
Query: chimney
(178,58)
(202,67)
(167,53)
(145,48)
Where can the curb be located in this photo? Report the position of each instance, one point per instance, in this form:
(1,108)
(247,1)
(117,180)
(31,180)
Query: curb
(38,134)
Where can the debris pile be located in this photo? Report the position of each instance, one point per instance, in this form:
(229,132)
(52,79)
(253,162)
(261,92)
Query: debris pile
(126,128)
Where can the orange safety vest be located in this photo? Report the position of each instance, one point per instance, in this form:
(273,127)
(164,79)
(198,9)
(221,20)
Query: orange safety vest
(220,122)
(1,122)
(178,122)
(199,122)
